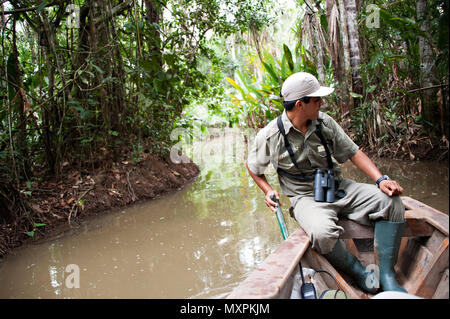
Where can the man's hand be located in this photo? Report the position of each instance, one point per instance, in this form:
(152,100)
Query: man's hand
(391,187)
(269,202)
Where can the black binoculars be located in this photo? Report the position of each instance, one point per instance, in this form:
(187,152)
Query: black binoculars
(324,186)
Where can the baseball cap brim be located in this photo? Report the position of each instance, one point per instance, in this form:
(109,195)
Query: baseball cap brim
(322,91)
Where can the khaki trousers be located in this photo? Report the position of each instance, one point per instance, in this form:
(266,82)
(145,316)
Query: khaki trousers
(363,203)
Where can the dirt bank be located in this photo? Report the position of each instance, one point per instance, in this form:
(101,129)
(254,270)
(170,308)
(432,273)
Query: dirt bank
(52,204)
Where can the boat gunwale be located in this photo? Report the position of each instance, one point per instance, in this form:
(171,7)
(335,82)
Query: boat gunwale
(263,283)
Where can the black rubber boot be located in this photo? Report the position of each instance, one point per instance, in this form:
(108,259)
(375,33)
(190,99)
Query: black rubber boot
(340,258)
(387,243)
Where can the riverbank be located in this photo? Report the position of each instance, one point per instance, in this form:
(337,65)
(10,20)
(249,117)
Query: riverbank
(59,203)
(424,148)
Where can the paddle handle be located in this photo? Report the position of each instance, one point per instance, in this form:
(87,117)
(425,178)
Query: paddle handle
(280,218)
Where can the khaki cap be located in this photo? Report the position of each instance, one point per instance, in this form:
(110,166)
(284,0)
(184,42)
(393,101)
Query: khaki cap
(303,84)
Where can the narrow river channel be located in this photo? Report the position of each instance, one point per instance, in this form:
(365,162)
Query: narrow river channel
(199,242)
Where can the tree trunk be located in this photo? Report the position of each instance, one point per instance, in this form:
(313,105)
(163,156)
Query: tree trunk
(333,38)
(335,49)
(108,64)
(347,104)
(119,73)
(430,110)
(153,17)
(355,56)
(21,105)
(316,40)
(60,101)
(98,41)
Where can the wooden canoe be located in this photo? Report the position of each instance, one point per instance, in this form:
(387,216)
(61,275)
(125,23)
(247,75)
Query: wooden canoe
(422,266)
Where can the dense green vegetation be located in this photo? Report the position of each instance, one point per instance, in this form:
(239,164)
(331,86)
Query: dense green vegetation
(391,84)
(83,81)
(86,83)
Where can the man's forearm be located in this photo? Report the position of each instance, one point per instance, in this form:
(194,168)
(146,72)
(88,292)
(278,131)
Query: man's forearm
(260,180)
(365,164)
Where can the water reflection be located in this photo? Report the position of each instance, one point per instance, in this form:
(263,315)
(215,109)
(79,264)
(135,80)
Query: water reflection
(200,242)
(54,279)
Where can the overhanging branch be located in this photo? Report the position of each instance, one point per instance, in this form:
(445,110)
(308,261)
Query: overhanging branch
(118,9)
(20,10)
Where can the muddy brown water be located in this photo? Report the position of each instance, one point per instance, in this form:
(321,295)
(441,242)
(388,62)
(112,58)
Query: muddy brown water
(199,242)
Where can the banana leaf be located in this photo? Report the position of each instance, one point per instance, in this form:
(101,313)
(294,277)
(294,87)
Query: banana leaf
(274,77)
(283,67)
(288,55)
(235,85)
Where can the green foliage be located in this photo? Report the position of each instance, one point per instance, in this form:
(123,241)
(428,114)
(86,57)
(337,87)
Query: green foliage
(257,100)
(391,68)
(100,92)
(32,232)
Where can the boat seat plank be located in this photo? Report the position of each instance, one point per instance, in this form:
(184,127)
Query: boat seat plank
(413,228)
(268,278)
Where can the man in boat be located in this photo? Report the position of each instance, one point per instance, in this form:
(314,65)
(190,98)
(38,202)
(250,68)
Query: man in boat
(301,155)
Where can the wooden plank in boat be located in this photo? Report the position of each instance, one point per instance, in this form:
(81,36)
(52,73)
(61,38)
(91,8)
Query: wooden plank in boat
(420,210)
(417,228)
(442,288)
(432,262)
(268,279)
(403,260)
(354,230)
(411,203)
(408,258)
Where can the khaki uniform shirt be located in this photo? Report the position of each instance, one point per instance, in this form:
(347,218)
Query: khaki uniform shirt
(309,152)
